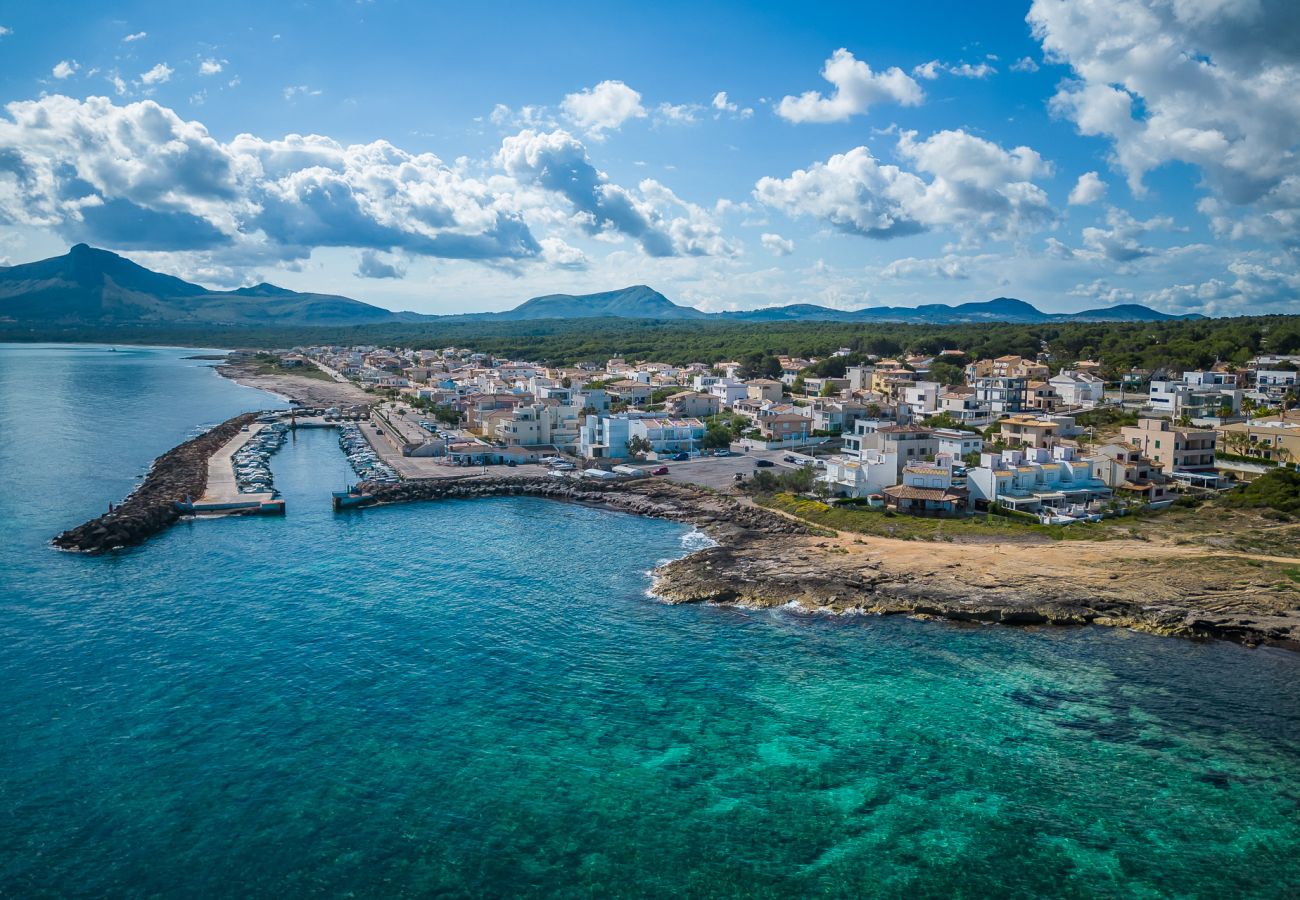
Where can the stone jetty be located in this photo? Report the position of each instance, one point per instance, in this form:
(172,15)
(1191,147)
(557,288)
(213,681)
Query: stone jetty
(179,473)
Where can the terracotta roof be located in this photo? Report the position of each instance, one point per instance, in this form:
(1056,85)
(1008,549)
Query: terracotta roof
(906,492)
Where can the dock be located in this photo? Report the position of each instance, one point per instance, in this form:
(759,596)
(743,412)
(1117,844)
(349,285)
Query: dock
(221,495)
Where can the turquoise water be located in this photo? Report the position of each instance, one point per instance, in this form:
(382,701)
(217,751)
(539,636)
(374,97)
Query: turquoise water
(478,699)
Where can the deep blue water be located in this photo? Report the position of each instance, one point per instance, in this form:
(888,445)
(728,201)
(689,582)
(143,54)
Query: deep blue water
(479,699)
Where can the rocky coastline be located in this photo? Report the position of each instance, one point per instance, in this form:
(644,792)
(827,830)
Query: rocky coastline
(765,559)
(180,472)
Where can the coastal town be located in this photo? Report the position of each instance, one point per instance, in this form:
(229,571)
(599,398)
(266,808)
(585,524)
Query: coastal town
(1037,440)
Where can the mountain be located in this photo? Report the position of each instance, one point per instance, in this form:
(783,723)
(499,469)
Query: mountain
(95,287)
(635,302)
(89,287)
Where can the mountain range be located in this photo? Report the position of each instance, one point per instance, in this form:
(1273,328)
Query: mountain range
(91,287)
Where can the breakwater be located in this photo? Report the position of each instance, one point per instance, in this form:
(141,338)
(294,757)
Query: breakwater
(721,515)
(179,473)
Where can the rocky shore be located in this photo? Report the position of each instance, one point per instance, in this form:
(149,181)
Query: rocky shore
(151,507)
(765,559)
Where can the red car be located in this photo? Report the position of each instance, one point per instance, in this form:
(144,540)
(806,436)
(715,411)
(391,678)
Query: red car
(662,470)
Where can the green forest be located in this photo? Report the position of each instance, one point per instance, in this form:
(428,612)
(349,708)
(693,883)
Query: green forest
(1184,344)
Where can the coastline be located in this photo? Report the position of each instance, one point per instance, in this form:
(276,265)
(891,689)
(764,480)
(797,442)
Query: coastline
(767,558)
(293,388)
(764,559)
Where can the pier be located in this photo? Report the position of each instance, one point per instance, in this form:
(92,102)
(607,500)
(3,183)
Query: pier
(221,495)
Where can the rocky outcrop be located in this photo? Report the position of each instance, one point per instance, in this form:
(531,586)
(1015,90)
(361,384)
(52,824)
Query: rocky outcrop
(151,507)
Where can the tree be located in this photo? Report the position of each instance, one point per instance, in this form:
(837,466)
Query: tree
(946,373)
(639,446)
(716,437)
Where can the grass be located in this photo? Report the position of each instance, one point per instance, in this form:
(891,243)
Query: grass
(271,366)
(881,523)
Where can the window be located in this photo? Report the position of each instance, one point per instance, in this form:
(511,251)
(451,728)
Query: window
(1157,445)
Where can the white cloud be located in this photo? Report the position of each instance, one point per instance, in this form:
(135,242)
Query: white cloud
(300,90)
(977,189)
(159,74)
(934,68)
(211,66)
(5,31)
(857,89)
(65,68)
(1121,242)
(662,224)
(606,106)
(950,267)
(559,255)
(1024,64)
(1210,84)
(966,70)
(119,84)
(137,36)
(777,245)
(138,177)
(722,104)
(1088,189)
(681,113)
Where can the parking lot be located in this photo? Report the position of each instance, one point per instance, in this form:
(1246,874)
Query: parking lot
(719,472)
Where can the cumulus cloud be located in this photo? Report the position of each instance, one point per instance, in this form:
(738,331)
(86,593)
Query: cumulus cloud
(1024,64)
(559,255)
(65,68)
(373,265)
(211,66)
(5,31)
(601,108)
(1210,84)
(678,113)
(857,89)
(136,36)
(159,74)
(950,267)
(934,68)
(777,245)
(1249,286)
(294,91)
(976,188)
(137,176)
(1121,240)
(557,162)
(722,105)
(1088,189)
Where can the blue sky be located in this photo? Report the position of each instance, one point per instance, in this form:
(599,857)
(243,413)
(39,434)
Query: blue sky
(455,158)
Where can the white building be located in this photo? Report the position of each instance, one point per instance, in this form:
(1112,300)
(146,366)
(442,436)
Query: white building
(1055,483)
(1078,388)
(861,475)
(957,444)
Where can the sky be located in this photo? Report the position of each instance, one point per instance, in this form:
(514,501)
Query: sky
(448,158)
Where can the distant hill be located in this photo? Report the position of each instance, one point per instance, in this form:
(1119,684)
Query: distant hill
(90,287)
(635,302)
(95,287)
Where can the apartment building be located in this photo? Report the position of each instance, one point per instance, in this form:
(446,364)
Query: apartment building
(1175,448)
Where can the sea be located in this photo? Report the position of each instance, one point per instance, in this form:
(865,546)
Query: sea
(482,699)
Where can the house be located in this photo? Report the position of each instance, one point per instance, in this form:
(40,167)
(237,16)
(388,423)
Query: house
(1053,484)
(926,489)
(693,404)
(785,427)
(1274,383)
(668,434)
(1007,367)
(1197,395)
(606,437)
(835,416)
(961,405)
(1001,393)
(1078,388)
(1175,448)
(633,393)
(922,398)
(1041,396)
(859,377)
(907,442)
(728,391)
(1029,431)
(1132,476)
(764,389)
(861,475)
(824,386)
(957,444)
(1274,438)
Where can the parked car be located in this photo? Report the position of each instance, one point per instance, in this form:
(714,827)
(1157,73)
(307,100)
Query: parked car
(662,470)
(789,458)
(763,464)
(739,476)
(721,452)
(681,457)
